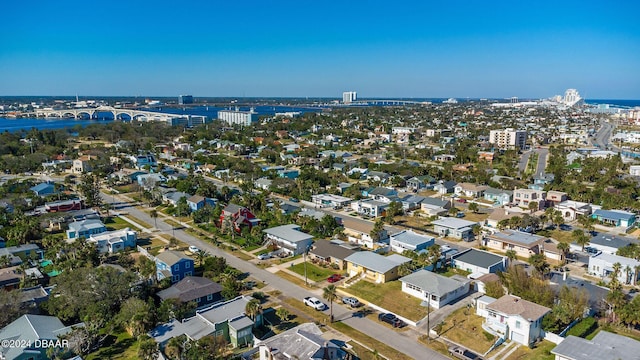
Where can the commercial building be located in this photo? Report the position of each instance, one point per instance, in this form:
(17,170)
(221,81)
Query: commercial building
(508,138)
(185,99)
(237,117)
(349,96)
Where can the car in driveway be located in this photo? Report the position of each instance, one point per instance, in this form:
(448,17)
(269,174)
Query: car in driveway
(194,249)
(351,301)
(334,278)
(264,256)
(391,319)
(295,200)
(461,200)
(462,353)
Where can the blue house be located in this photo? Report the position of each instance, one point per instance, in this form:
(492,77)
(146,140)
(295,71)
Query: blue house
(173,265)
(85,229)
(44,189)
(197,202)
(498,196)
(618,218)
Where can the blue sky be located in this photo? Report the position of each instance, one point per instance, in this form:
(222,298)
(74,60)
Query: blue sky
(321,48)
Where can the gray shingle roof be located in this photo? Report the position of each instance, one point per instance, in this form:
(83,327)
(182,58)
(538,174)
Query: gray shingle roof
(288,232)
(478,257)
(190,288)
(432,283)
(326,249)
(604,345)
(30,328)
(171,257)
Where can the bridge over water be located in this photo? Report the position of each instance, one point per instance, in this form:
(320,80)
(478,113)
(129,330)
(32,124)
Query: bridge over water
(117,113)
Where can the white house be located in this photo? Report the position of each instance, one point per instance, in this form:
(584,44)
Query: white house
(114,241)
(369,207)
(453,227)
(479,262)
(289,238)
(517,319)
(438,290)
(359,232)
(634,170)
(571,209)
(602,265)
(330,200)
(409,240)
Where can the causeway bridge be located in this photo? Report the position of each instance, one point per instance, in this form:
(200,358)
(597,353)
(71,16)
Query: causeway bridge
(92,113)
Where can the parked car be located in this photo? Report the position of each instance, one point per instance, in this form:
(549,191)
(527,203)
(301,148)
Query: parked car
(314,303)
(334,278)
(351,301)
(264,256)
(194,249)
(462,353)
(294,200)
(391,319)
(461,200)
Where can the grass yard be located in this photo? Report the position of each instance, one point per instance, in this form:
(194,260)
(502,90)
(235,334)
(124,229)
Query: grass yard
(560,235)
(119,346)
(466,330)
(434,344)
(314,272)
(293,279)
(452,271)
(470,216)
(389,296)
(116,223)
(542,352)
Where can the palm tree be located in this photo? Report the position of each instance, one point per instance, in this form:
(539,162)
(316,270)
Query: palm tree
(533,206)
(252,309)
(511,255)
(329,293)
(283,314)
(564,247)
(200,256)
(627,270)
(154,215)
(580,237)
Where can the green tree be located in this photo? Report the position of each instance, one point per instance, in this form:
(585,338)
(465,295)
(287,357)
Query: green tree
(253,308)
(135,316)
(89,187)
(283,314)
(378,228)
(182,208)
(394,209)
(580,237)
(511,255)
(329,293)
(533,206)
(564,247)
(494,289)
(147,348)
(154,215)
(539,262)
(474,207)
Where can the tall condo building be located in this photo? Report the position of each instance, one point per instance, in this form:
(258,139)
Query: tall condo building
(185,99)
(237,117)
(572,97)
(508,138)
(349,96)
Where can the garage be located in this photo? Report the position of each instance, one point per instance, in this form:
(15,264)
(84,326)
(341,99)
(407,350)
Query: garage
(517,337)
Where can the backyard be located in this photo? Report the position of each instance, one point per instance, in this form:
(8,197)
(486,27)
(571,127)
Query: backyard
(390,297)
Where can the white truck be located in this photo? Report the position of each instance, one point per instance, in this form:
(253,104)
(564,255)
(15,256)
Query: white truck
(314,303)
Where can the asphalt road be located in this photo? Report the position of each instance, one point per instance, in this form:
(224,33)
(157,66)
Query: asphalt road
(602,136)
(402,342)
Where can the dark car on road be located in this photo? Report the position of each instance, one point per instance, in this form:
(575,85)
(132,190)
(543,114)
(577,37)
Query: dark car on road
(391,319)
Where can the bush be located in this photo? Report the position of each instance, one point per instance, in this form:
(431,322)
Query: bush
(488,336)
(583,328)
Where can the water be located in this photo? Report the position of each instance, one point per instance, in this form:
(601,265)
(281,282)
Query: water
(14,125)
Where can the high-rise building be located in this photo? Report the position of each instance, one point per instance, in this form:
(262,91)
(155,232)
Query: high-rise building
(185,99)
(237,117)
(572,97)
(349,96)
(508,138)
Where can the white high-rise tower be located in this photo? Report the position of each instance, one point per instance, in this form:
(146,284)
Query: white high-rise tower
(349,96)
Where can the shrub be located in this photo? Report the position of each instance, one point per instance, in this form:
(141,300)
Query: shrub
(583,328)
(488,336)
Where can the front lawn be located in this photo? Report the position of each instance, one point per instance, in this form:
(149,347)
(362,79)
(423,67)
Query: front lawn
(117,346)
(542,351)
(314,273)
(116,223)
(464,327)
(389,296)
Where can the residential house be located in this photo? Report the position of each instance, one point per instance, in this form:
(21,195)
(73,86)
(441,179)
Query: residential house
(436,289)
(418,183)
(486,156)
(455,228)
(226,320)
(522,198)
(380,176)
(374,267)
(142,161)
(174,265)
(82,165)
(601,265)
(200,290)
(555,197)
(11,277)
(359,232)
(411,202)
(478,262)
(304,341)
(16,254)
(342,187)
(469,190)
(85,228)
(482,281)
(150,181)
(571,209)
(517,319)
(369,207)
(263,183)
(431,206)
(44,189)
(238,216)
(29,333)
(197,202)
(289,238)
(445,187)
(289,174)
(596,294)
(605,345)
(498,196)
(524,244)
(409,240)
(173,197)
(330,200)
(549,248)
(332,252)
(114,241)
(609,243)
(543,179)
(498,215)
(634,170)
(617,218)
(382,194)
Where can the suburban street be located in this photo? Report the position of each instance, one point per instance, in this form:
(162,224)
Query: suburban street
(404,342)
